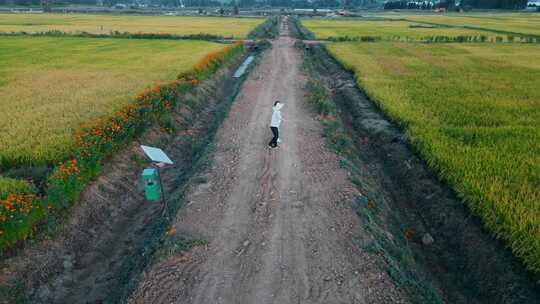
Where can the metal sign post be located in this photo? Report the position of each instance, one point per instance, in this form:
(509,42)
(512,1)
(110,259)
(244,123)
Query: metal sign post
(160,160)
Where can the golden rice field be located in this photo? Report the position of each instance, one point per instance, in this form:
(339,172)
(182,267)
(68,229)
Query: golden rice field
(327,28)
(104,24)
(473,112)
(50,86)
(528,24)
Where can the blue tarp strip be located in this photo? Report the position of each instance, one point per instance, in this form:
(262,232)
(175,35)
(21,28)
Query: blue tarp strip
(242,69)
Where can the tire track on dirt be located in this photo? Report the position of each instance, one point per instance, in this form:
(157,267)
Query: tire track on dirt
(278,221)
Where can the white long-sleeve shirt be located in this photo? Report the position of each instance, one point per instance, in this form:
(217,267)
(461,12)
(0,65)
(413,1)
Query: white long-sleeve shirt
(276,119)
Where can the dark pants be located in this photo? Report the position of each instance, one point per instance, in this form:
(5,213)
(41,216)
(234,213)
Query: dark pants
(273,142)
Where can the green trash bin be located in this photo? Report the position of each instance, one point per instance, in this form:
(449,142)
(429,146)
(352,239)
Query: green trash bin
(151,185)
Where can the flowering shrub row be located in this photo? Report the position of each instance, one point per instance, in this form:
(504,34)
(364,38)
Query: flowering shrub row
(95,143)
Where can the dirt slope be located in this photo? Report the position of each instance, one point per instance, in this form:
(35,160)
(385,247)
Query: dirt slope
(278,223)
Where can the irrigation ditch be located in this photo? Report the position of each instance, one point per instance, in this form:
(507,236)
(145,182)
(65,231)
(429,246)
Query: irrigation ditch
(112,234)
(433,247)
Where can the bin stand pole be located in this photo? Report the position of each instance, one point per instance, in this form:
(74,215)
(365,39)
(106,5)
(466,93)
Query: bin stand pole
(163,200)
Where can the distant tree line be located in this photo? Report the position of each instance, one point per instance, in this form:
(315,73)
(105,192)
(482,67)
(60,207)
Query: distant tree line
(213,3)
(409,5)
(198,3)
(38,2)
(307,3)
(190,3)
(400,4)
(505,4)
(451,4)
(20,2)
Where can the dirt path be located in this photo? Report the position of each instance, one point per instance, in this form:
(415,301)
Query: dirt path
(279,224)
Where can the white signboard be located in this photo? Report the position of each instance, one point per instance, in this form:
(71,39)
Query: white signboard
(156,155)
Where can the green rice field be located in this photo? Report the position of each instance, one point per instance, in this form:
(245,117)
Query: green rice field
(104,24)
(528,24)
(472,110)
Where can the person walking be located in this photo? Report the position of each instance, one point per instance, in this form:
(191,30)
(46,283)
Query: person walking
(274,124)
